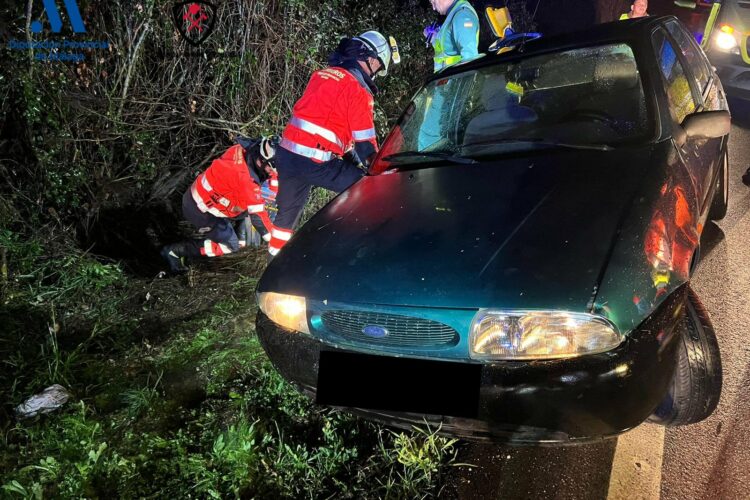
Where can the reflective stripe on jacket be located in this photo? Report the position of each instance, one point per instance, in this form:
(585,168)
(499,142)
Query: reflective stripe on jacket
(458,38)
(226,188)
(334,112)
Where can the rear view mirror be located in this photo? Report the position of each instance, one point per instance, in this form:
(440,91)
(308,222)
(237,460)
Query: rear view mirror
(706,124)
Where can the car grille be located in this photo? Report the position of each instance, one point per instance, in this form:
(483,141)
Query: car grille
(403,331)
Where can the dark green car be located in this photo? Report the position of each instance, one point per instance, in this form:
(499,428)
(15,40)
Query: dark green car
(518,268)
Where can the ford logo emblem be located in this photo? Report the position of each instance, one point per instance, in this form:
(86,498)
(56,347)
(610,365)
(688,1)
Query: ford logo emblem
(374,331)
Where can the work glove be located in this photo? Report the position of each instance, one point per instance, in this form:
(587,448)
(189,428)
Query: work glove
(353,157)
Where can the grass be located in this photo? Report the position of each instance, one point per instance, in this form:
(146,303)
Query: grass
(174,397)
(141,399)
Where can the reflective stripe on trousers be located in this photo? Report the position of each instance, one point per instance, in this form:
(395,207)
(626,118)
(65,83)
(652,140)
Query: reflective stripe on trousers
(279,238)
(212,249)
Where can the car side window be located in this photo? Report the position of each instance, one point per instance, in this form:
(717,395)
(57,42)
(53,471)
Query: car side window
(693,57)
(681,100)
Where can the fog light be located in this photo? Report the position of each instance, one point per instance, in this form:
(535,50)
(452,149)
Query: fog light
(539,335)
(289,311)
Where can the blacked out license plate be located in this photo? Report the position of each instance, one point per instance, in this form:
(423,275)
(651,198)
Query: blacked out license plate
(398,384)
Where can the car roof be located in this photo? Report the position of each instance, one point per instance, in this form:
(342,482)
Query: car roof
(632,31)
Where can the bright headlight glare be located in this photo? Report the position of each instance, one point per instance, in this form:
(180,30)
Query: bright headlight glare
(288,311)
(539,335)
(726,41)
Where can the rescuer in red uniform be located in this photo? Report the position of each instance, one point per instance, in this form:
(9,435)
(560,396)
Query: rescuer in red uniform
(331,128)
(228,190)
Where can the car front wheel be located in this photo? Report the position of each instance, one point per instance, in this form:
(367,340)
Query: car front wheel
(696,385)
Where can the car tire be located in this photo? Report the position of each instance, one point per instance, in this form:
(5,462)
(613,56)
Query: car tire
(720,202)
(696,385)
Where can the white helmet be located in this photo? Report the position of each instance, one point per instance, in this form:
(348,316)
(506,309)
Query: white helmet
(386,51)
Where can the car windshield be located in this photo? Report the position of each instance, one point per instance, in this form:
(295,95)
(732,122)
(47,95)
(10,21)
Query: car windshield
(584,98)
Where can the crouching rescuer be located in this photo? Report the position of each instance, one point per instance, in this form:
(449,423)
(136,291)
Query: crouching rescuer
(229,190)
(331,137)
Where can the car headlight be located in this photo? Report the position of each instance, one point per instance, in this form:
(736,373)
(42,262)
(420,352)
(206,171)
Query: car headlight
(289,311)
(725,40)
(519,335)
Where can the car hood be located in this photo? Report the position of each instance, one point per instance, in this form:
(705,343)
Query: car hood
(523,233)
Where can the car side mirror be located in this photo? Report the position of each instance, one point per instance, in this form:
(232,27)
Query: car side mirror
(705,124)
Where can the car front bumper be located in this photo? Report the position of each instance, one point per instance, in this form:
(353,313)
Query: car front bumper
(541,402)
(734,74)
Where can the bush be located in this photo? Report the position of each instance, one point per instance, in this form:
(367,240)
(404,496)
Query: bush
(133,124)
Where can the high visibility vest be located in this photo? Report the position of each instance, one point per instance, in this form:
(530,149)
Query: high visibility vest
(446,51)
(626,16)
(334,112)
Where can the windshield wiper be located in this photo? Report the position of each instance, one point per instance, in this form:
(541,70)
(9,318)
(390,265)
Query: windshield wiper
(431,154)
(543,142)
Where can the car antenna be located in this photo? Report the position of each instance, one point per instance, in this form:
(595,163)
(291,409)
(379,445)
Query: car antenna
(533,16)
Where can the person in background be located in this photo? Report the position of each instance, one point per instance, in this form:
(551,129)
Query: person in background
(639,8)
(331,135)
(228,190)
(457,39)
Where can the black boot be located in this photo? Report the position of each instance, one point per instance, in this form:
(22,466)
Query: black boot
(174,254)
(746,178)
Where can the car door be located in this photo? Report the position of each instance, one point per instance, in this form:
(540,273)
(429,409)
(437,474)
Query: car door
(685,97)
(712,97)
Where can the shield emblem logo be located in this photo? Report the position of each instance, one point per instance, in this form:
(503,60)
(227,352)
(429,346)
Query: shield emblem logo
(194,20)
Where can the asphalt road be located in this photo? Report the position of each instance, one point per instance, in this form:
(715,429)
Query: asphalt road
(710,459)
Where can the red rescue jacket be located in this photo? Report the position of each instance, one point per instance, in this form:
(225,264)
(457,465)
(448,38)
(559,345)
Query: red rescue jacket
(226,188)
(335,112)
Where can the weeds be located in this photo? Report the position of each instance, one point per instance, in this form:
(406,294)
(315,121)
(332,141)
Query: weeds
(131,431)
(236,454)
(422,454)
(57,305)
(44,274)
(78,460)
(246,432)
(140,400)
(78,319)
